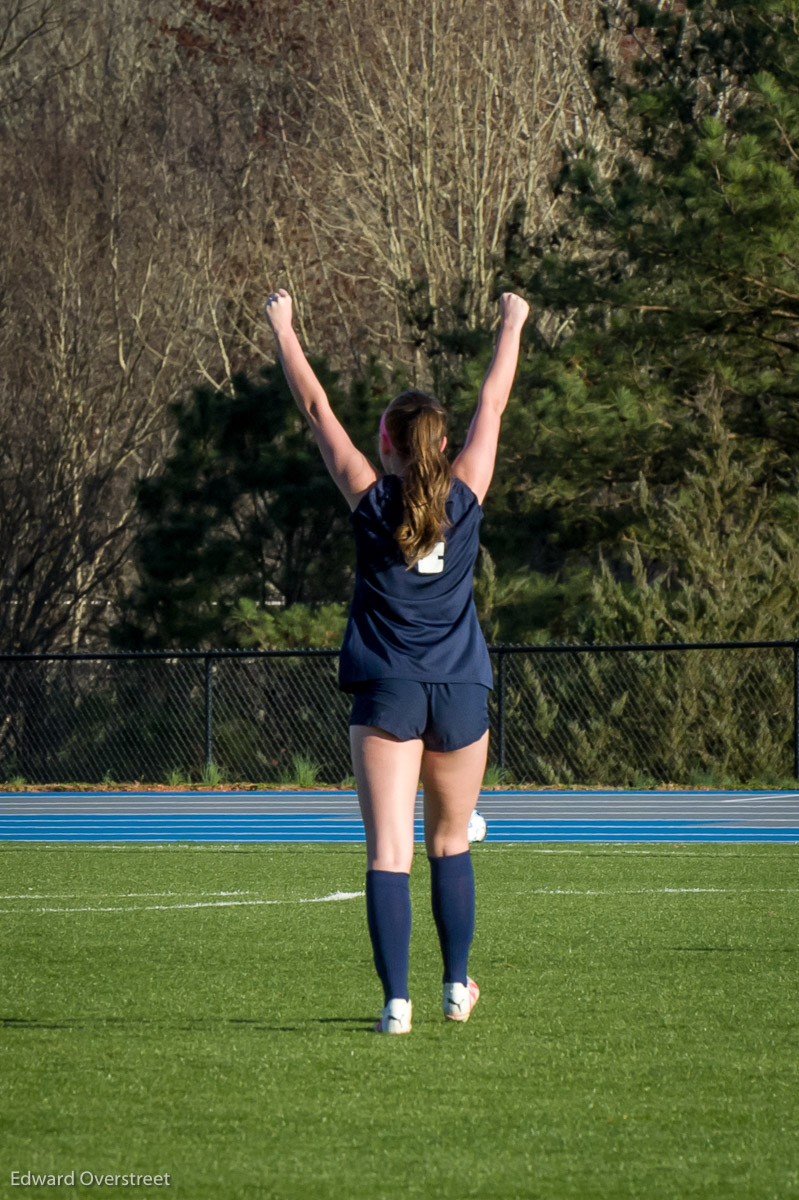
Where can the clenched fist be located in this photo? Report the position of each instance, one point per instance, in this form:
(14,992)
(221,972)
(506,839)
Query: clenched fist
(278,310)
(513,309)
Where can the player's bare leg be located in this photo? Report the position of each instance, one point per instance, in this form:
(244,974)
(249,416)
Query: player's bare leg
(387,777)
(451,783)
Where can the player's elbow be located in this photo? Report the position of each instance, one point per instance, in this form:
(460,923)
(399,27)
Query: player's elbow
(316,408)
(493,400)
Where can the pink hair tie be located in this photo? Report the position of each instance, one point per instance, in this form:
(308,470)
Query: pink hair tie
(386,444)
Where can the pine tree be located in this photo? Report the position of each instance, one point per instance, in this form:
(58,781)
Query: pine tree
(715,559)
(245,518)
(672,278)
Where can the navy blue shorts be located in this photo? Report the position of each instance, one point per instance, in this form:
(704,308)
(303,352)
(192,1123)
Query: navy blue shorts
(446,716)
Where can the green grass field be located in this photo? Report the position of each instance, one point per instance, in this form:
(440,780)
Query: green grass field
(637,1034)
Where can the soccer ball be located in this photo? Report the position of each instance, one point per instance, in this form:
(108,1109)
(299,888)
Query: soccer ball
(477,827)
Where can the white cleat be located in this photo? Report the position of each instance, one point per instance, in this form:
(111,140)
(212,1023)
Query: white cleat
(460,999)
(395,1017)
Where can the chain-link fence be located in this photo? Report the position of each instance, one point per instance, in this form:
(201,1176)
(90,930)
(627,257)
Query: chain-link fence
(613,716)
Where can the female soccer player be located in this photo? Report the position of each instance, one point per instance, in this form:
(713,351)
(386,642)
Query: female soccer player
(414,656)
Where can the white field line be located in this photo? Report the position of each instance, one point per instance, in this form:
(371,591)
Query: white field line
(258,794)
(496,810)
(340,808)
(675,849)
(334,896)
(768,796)
(126,847)
(345,808)
(655,891)
(146,810)
(116,895)
(758,800)
(200,904)
(299,802)
(672,849)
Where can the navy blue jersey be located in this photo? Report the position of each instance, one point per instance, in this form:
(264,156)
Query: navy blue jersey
(419,623)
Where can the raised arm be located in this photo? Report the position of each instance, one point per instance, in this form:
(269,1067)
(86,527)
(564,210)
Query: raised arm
(475,463)
(352,472)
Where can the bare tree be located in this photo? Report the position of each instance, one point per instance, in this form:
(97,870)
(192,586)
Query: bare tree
(387,143)
(167,164)
(441,116)
(95,331)
(32,35)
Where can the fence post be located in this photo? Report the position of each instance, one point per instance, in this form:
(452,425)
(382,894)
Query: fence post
(209,710)
(501,707)
(796,710)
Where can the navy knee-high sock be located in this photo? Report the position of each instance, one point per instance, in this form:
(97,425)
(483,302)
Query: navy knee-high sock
(388,912)
(452,894)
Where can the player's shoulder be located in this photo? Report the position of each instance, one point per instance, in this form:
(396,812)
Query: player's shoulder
(384,493)
(461,498)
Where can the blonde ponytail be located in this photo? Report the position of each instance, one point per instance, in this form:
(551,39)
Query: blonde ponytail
(416,425)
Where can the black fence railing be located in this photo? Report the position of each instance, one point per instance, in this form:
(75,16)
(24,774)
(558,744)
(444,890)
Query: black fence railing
(613,716)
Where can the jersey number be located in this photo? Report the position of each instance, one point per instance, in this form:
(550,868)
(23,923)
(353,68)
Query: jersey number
(432,563)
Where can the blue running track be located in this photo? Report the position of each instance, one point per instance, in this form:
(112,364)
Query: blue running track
(589,816)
